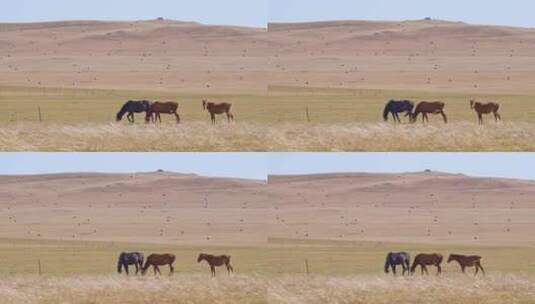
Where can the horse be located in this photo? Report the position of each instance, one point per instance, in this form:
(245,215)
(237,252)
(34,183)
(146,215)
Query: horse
(217,109)
(156,260)
(397,258)
(216,261)
(131,107)
(424,260)
(485,108)
(397,106)
(426,107)
(129,258)
(156,108)
(467,261)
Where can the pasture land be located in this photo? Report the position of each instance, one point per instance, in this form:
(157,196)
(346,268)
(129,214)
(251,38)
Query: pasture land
(340,120)
(276,258)
(344,272)
(279,104)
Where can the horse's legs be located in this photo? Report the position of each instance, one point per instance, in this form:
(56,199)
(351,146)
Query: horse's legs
(171,269)
(444,116)
(126,269)
(212,115)
(478,265)
(212,268)
(157,269)
(463,268)
(137,268)
(394,269)
(439,269)
(229,268)
(425,269)
(480,118)
(497,116)
(177,117)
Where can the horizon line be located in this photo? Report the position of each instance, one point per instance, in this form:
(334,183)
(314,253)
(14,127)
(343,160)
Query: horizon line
(267,176)
(266,25)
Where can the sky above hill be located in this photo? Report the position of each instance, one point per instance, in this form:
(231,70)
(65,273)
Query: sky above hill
(259,165)
(258,12)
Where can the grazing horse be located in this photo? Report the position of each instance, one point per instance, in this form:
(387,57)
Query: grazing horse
(467,261)
(156,260)
(398,258)
(217,109)
(397,106)
(156,108)
(485,108)
(426,107)
(131,107)
(129,258)
(424,260)
(216,261)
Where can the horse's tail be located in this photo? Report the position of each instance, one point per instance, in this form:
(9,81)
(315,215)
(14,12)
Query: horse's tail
(121,112)
(387,262)
(386,110)
(120,263)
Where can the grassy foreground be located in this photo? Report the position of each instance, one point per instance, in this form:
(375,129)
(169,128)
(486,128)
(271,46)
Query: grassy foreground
(258,289)
(243,136)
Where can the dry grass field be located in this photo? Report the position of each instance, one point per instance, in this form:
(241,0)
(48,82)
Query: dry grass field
(255,289)
(79,73)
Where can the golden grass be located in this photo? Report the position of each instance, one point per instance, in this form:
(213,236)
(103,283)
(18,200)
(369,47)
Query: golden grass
(243,136)
(258,289)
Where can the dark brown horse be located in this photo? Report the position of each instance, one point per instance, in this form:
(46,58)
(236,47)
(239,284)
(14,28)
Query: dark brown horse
(156,260)
(467,261)
(156,108)
(426,107)
(217,109)
(485,108)
(216,261)
(424,260)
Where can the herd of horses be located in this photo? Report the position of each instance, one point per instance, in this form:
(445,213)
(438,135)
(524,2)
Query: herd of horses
(395,107)
(156,260)
(393,259)
(153,110)
(423,260)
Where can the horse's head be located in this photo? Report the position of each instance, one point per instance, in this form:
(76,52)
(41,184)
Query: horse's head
(119,117)
(451,258)
(472,102)
(201,257)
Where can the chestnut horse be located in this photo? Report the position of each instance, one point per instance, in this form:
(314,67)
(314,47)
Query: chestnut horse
(467,261)
(424,260)
(216,261)
(217,109)
(156,108)
(426,107)
(485,108)
(156,260)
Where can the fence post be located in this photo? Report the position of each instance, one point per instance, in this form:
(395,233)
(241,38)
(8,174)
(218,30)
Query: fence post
(308,114)
(39,266)
(39,111)
(306,267)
